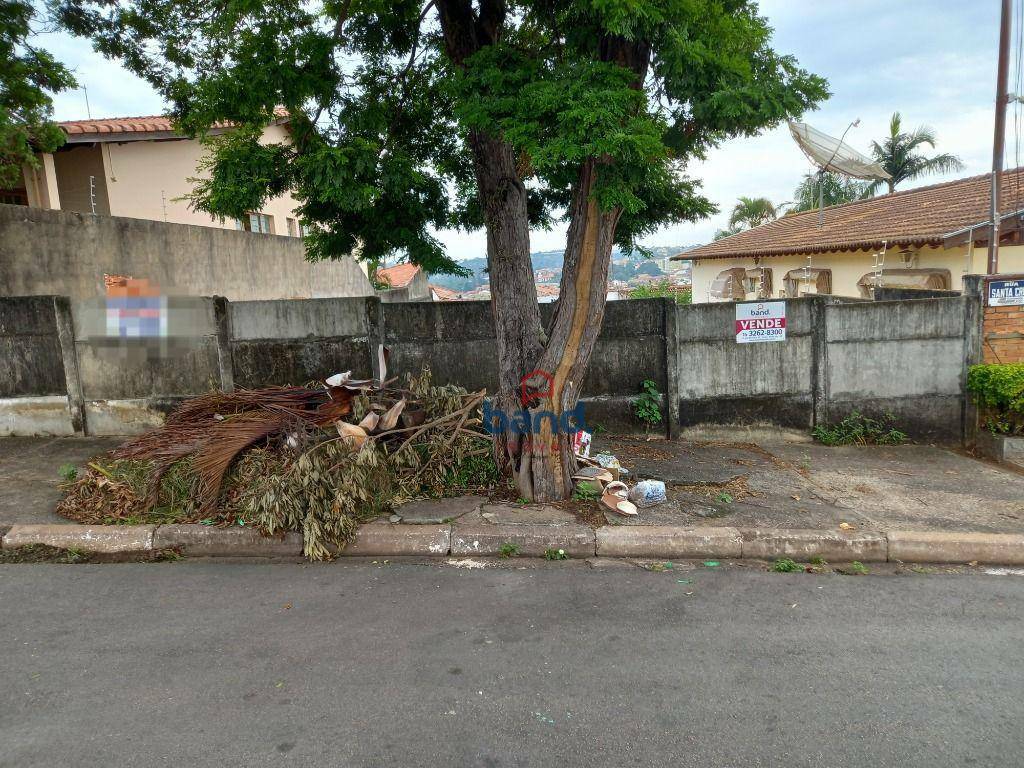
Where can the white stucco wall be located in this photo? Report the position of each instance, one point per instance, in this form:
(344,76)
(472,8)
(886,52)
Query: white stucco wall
(145,176)
(849,266)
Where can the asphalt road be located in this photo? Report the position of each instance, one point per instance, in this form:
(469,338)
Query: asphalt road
(355,664)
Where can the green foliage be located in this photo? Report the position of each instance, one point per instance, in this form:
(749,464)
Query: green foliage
(999,391)
(68,472)
(725,498)
(27,78)
(752,212)
(785,565)
(555,554)
(389,101)
(857,429)
(665,289)
(836,189)
(585,494)
(899,154)
(647,406)
(508,549)
(857,568)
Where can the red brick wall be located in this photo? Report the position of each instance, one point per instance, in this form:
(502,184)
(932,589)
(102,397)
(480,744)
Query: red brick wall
(1003,330)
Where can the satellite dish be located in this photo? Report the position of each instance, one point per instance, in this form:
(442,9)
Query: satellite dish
(831,154)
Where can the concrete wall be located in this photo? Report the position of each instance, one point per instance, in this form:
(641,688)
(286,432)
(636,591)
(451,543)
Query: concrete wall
(904,358)
(720,381)
(294,342)
(53,252)
(908,358)
(37,367)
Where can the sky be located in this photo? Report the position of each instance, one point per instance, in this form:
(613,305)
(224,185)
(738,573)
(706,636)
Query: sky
(932,60)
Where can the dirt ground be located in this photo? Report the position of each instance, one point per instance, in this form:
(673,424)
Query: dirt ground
(784,483)
(777,482)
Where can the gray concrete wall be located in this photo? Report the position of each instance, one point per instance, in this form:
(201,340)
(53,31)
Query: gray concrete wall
(31,363)
(903,358)
(907,358)
(66,253)
(722,382)
(294,342)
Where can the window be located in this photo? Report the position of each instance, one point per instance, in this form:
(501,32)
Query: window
(257,222)
(729,285)
(757,283)
(808,281)
(920,279)
(293,227)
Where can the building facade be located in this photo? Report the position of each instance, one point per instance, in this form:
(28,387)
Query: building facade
(925,238)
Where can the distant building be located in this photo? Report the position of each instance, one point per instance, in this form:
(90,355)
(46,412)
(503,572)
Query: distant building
(110,201)
(919,238)
(406,282)
(139,167)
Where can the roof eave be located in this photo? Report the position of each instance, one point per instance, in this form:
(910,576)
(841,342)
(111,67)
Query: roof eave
(857,245)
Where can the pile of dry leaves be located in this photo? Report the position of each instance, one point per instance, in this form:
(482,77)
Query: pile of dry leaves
(315,459)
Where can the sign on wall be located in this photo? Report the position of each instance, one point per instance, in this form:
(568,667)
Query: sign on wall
(1006,293)
(764,321)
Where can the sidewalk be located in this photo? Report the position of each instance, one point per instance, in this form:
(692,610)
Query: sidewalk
(30,473)
(726,500)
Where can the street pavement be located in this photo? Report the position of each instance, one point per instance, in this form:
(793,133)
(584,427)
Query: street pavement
(522,664)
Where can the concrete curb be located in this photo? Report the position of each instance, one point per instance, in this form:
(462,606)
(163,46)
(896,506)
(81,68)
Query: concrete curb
(942,547)
(530,540)
(665,541)
(832,546)
(101,539)
(382,539)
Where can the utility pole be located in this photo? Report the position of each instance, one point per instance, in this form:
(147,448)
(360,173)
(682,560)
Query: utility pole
(1002,99)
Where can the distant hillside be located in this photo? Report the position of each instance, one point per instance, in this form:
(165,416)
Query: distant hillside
(553,260)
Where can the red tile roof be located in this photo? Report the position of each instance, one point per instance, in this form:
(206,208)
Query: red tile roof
(399,275)
(914,217)
(444,294)
(143,124)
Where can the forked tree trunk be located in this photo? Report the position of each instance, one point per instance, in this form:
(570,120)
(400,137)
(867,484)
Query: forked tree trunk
(541,459)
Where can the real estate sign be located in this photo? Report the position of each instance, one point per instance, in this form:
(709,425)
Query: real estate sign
(764,321)
(1006,293)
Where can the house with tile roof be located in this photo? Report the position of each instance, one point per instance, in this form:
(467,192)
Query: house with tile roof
(925,238)
(140,168)
(406,282)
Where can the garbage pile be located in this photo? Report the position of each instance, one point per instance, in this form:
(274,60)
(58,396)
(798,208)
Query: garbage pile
(317,459)
(600,476)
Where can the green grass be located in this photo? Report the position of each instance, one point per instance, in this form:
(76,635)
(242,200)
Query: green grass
(508,549)
(555,554)
(785,565)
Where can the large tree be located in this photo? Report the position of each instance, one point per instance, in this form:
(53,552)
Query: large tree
(28,77)
(900,155)
(408,117)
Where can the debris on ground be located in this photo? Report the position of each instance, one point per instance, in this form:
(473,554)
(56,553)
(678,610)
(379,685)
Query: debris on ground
(315,459)
(647,493)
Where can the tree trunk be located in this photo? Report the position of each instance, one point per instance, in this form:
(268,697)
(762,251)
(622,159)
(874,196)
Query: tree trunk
(573,332)
(540,458)
(520,336)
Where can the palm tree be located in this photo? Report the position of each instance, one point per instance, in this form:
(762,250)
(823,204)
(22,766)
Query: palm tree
(837,189)
(899,153)
(752,212)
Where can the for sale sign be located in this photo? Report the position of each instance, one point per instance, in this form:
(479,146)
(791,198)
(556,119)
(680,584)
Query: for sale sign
(765,321)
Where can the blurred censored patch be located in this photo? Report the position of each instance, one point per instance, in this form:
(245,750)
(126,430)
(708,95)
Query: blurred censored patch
(139,321)
(136,309)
